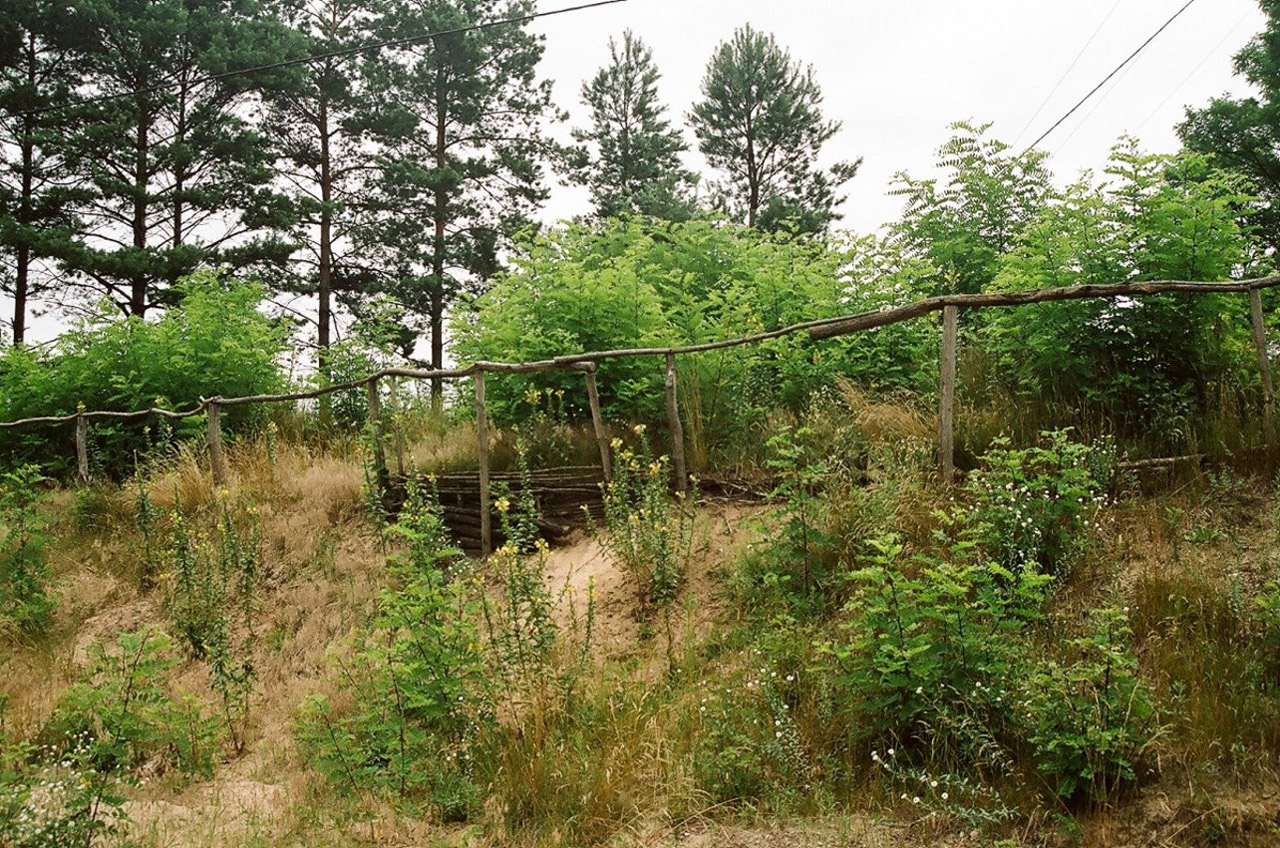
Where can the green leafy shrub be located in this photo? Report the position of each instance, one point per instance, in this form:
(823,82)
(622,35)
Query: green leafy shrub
(928,648)
(414,692)
(939,663)
(25,604)
(792,567)
(1034,506)
(1090,721)
(216,342)
(1145,365)
(124,715)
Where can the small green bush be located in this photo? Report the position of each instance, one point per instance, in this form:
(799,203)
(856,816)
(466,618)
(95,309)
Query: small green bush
(1034,506)
(792,568)
(1090,721)
(414,692)
(54,797)
(25,604)
(124,714)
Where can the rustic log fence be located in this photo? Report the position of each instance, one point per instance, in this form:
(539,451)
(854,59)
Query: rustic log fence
(587,364)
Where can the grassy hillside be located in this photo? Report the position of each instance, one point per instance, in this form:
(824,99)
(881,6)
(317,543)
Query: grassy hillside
(1059,651)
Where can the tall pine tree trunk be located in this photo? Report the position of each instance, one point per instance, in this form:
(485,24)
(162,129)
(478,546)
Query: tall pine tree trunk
(438,253)
(325,276)
(138,279)
(22,273)
(180,168)
(753,177)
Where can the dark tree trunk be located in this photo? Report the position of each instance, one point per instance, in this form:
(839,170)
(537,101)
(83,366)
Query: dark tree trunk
(138,283)
(438,253)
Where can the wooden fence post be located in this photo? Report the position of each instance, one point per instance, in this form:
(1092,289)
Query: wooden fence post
(677,431)
(393,400)
(482,439)
(946,403)
(217,462)
(82,446)
(375,430)
(1264,363)
(597,421)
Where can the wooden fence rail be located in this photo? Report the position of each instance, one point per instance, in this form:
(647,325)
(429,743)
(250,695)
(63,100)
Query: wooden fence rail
(587,364)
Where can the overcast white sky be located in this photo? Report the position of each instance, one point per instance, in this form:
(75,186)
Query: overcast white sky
(897,73)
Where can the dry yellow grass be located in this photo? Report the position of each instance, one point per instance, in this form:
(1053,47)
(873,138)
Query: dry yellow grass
(629,781)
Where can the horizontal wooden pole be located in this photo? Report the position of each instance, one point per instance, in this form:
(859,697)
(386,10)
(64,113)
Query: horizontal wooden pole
(823,328)
(884,317)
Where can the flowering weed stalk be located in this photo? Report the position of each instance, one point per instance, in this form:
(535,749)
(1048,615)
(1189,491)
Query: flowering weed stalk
(649,533)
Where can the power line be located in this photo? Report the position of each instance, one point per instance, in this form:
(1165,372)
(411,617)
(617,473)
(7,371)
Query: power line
(1213,52)
(1066,73)
(1108,77)
(336,54)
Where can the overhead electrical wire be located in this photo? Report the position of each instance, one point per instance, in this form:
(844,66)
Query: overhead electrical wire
(1108,77)
(320,57)
(1066,73)
(1213,52)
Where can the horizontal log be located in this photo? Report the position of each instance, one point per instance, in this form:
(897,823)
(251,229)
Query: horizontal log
(823,328)
(1159,462)
(885,317)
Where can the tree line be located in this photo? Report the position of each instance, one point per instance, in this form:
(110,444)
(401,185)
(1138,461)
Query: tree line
(346,149)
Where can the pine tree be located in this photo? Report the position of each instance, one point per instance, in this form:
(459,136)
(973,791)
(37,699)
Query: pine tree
(760,123)
(464,150)
(318,119)
(38,69)
(178,174)
(631,163)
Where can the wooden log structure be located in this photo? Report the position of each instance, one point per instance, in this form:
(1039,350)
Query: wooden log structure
(947,396)
(564,498)
(823,328)
(819,329)
(397,430)
(482,440)
(677,431)
(1264,363)
(597,423)
(376,428)
(82,449)
(217,460)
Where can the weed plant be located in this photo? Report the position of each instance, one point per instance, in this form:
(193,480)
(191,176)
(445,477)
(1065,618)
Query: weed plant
(25,603)
(1036,505)
(648,533)
(122,715)
(414,693)
(213,603)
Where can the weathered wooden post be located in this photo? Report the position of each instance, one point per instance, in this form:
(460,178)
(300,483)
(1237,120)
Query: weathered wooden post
(375,430)
(1264,363)
(393,400)
(677,431)
(217,462)
(82,446)
(946,402)
(482,439)
(597,421)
